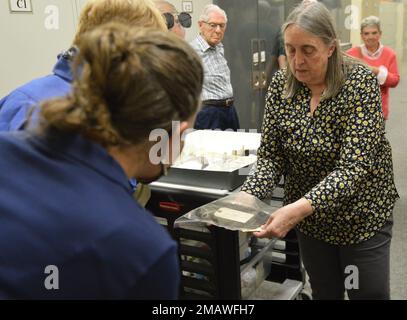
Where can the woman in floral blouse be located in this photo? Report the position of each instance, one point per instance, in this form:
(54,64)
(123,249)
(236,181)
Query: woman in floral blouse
(324,132)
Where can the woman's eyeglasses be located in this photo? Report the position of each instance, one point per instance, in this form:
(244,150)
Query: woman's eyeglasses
(184,18)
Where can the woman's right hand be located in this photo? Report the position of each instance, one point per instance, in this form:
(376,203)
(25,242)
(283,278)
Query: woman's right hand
(375,70)
(284,219)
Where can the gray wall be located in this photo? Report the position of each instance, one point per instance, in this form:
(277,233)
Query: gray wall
(29,49)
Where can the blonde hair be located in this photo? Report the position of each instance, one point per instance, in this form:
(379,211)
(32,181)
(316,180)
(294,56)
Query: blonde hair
(315,19)
(128,82)
(132,13)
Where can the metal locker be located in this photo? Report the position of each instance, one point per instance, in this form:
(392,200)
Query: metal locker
(250,39)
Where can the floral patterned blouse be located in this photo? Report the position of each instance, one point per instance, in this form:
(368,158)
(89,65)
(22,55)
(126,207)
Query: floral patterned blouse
(338,158)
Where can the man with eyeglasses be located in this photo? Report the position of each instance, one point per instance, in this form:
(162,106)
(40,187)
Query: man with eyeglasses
(176,22)
(218,111)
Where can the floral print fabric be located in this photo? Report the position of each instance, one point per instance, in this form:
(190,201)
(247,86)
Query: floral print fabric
(337,158)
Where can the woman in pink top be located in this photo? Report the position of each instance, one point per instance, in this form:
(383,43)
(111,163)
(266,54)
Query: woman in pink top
(382,59)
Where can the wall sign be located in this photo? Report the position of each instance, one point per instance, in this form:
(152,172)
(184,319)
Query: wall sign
(20,6)
(187,6)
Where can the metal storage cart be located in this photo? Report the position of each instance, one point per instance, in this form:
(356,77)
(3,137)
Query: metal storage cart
(211,259)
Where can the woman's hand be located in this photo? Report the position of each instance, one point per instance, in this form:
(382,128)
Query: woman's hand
(284,219)
(375,70)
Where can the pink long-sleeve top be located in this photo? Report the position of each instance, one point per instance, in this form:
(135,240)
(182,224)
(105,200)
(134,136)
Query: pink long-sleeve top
(385,60)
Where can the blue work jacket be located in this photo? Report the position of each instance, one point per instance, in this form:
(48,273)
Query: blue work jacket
(70,228)
(16,106)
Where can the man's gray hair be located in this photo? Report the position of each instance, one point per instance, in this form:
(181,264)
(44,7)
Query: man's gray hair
(209,9)
(371,21)
(314,18)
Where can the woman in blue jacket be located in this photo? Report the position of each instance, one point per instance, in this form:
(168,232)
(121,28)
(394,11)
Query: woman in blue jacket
(69,227)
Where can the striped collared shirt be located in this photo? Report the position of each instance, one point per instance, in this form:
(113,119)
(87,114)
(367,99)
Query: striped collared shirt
(217,83)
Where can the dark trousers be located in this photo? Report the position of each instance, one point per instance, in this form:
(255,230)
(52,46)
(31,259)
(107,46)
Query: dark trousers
(214,117)
(362,269)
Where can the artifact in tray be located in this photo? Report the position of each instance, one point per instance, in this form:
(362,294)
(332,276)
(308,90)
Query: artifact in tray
(236,217)
(238,211)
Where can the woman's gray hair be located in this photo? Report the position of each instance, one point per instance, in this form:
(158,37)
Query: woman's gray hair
(209,9)
(371,21)
(314,18)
